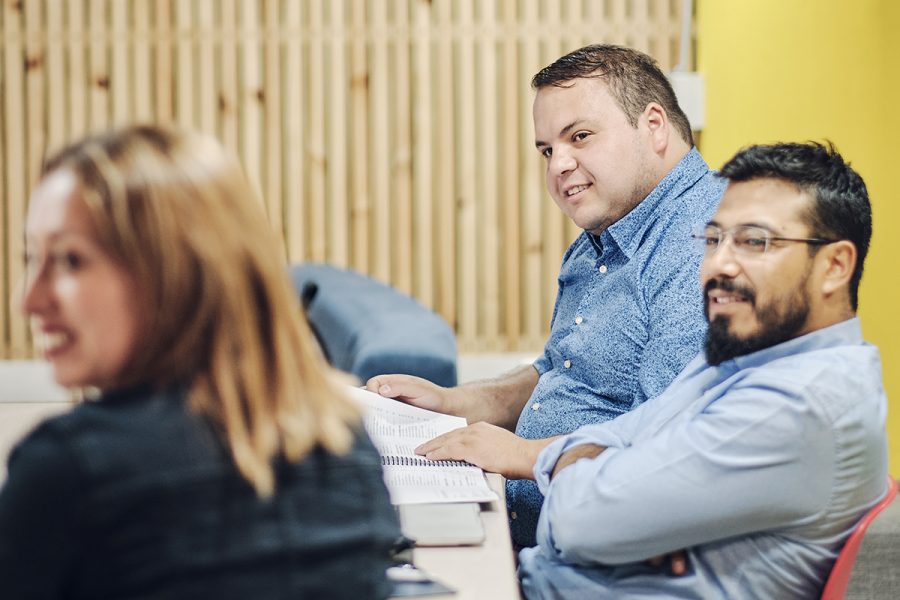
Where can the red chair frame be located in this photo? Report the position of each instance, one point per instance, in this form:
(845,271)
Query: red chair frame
(836,585)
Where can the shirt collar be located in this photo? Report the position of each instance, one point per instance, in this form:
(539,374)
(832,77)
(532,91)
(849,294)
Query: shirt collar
(596,242)
(138,391)
(847,332)
(627,232)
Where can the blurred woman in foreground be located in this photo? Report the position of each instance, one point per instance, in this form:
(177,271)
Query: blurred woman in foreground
(220,459)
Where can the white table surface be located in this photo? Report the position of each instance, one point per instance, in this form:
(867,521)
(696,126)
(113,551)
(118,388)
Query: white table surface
(485,572)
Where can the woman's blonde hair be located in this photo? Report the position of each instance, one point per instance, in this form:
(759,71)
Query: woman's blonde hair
(220,315)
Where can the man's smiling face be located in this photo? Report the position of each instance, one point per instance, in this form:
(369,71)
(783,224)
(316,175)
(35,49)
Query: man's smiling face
(598,166)
(754,301)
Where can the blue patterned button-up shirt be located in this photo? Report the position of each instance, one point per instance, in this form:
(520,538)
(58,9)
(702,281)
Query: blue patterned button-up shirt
(628,318)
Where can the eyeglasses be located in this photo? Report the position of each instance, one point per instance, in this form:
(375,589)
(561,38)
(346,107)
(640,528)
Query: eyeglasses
(746,239)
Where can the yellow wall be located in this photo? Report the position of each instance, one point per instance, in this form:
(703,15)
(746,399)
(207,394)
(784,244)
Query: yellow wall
(794,70)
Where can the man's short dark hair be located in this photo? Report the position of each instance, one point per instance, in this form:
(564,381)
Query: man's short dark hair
(840,210)
(633,78)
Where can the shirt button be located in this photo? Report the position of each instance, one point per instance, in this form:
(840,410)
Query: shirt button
(567,363)
(578,320)
(513,515)
(602,269)
(536,406)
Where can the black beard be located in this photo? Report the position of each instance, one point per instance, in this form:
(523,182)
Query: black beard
(775,326)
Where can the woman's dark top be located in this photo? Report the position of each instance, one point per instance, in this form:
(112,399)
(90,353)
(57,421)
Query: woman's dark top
(135,497)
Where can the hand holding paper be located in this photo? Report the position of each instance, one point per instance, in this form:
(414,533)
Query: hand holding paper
(396,430)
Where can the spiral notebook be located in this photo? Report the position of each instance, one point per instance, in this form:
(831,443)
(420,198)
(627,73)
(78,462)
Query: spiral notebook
(397,429)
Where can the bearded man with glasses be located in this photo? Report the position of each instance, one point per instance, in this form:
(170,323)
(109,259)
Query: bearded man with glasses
(777,323)
(745,477)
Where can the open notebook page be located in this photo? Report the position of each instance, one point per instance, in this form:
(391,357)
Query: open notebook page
(396,430)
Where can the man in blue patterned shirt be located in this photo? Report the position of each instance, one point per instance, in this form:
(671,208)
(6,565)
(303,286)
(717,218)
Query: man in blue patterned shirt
(620,163)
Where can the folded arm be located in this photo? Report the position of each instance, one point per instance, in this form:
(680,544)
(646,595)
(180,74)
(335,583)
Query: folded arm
(738,467)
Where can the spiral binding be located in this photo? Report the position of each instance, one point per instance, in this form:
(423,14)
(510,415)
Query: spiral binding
(408,461)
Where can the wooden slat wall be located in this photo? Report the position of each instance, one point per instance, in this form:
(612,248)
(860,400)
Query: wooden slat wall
(390,136)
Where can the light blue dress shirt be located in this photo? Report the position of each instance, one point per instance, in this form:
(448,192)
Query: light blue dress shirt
(628,318)
(759,468)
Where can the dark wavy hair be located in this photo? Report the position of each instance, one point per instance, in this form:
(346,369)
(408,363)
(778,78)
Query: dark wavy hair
(841,208)
(633,78)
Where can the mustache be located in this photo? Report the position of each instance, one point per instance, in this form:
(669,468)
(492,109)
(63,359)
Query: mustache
(728,285)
